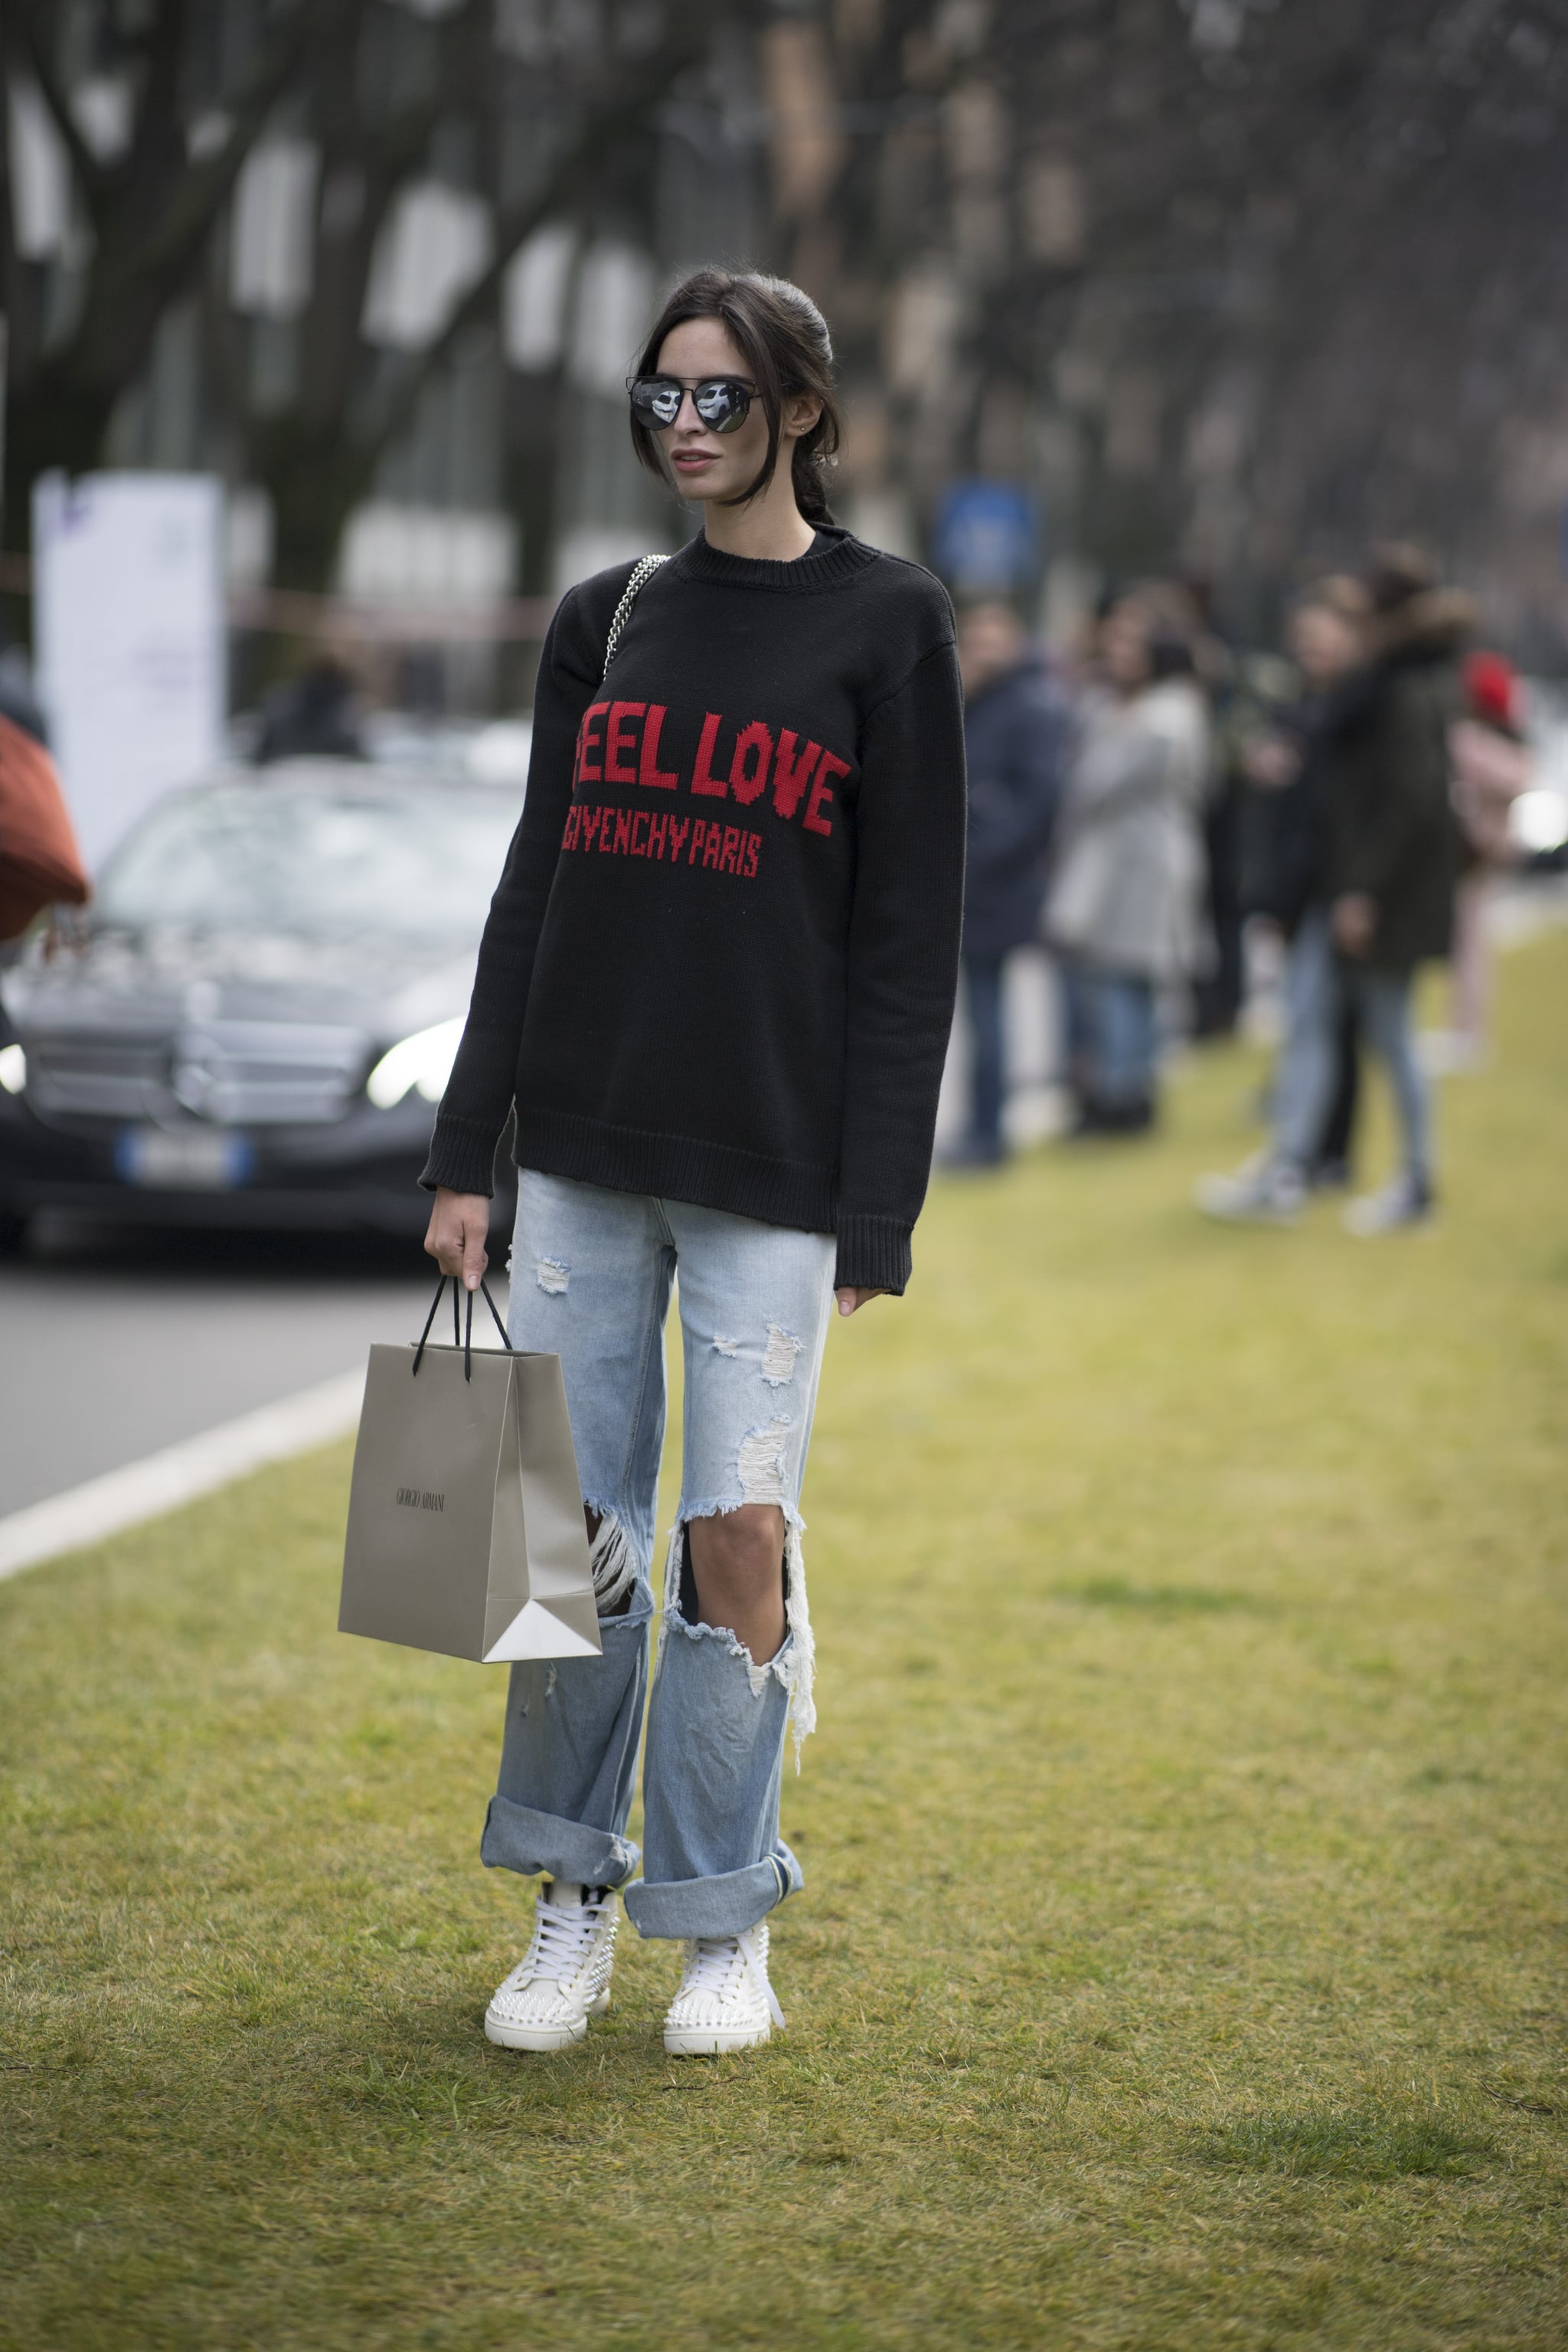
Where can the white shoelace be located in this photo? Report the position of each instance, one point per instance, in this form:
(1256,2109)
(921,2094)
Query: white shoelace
(560,1938)
(719,1962)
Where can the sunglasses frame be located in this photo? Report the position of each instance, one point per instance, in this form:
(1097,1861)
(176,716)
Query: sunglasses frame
(696,386)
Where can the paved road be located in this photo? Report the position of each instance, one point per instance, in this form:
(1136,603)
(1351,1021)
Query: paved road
(113,1345)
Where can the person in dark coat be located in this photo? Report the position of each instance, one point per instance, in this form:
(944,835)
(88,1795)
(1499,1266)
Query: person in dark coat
(1288,818)
(314,715)
(1382,904)
(1016,731)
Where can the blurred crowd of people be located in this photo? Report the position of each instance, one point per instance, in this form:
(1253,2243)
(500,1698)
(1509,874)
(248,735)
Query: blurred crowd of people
(1150,804)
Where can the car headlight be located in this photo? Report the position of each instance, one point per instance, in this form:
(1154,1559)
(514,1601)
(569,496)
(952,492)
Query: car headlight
(424,1060)
(1538,821)
(13,1069)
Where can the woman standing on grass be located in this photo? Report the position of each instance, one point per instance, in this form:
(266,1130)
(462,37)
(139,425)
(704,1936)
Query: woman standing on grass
(716,982)
(1125,909)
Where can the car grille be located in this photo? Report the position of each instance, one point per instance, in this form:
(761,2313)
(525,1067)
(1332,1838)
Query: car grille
(234,1073)
(104,1077)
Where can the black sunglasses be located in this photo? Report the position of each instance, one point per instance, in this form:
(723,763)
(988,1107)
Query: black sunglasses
(721,400)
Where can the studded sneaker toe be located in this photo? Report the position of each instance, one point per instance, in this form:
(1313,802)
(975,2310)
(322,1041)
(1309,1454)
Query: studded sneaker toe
(725,2001)
(565,1979)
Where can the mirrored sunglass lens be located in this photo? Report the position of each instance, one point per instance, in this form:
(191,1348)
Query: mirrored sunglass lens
(661,402)
(721,406)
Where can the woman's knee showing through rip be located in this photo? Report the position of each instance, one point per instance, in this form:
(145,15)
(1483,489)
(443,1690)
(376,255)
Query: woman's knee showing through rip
(737,1566)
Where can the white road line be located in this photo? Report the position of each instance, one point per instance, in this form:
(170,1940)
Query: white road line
(161,1482)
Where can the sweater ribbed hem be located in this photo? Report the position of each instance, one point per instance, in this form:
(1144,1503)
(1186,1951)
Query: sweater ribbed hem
(873,1253)
(462,1156)
(676,1168)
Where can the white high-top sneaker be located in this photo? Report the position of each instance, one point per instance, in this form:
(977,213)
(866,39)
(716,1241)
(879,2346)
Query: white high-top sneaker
(1263,1192)
(1402,1201)
(725,2002)
(564,1979)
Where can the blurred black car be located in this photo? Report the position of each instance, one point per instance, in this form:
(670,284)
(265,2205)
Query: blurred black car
(262,1006)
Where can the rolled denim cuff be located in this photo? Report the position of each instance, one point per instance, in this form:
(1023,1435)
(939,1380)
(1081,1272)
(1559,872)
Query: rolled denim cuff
(725,1906)
(518,1838)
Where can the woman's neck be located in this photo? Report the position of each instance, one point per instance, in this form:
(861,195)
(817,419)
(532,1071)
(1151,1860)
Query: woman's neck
(769,527)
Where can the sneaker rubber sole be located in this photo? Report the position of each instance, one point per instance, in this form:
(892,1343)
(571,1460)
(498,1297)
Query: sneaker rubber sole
(713,2041)
(1425,1221)
(1228,1211)
(542,2037)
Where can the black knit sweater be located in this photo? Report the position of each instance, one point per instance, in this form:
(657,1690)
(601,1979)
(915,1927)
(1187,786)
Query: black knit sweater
(719,964)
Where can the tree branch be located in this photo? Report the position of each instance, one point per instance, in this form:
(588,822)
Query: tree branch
(203,188)
(580,167)
(35,45)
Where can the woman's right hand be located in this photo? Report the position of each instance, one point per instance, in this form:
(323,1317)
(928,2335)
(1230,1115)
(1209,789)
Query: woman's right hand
(1271,762)
(460,1227)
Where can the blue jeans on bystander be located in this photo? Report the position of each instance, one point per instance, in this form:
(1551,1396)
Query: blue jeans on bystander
(1321,987)
(982,986)
(1113,1033)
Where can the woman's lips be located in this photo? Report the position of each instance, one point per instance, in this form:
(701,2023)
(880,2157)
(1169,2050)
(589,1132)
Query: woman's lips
(693,462)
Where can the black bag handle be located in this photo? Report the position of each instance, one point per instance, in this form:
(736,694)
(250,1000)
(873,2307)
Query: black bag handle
(462,1334)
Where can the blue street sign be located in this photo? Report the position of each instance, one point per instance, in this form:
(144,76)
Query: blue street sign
(987,536)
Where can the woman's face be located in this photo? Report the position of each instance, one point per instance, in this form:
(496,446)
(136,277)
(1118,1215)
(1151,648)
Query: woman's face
(708,465)
(1325,644)
(1124,648)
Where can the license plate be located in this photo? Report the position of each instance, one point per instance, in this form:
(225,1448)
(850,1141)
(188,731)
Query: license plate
(208,1159)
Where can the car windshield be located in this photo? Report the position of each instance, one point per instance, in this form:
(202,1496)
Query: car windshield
(318,861)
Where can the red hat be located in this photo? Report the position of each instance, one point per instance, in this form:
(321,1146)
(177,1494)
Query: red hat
(1491,689)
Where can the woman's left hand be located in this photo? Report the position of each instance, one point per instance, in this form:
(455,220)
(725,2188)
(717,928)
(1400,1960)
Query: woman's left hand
(850,1299)
(1353,920)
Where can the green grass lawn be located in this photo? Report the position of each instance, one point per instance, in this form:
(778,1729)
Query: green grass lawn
(1180,1964)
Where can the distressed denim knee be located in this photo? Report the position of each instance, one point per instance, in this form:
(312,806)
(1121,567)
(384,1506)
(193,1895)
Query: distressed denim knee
(715,1862)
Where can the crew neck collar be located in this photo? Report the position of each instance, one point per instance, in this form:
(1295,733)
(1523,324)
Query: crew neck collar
(841,559)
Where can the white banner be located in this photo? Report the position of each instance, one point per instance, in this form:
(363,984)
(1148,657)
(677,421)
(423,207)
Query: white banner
(127,612)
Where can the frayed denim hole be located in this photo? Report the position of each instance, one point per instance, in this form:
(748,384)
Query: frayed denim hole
(796,1650)
(774,1669)
(613,1561)
(686,1604)
(760,1463)
(778,1358)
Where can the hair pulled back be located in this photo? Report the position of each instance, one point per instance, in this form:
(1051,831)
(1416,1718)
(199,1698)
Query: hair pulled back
(782,337)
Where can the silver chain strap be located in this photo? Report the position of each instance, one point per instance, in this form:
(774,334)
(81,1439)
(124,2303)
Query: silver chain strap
(643,570)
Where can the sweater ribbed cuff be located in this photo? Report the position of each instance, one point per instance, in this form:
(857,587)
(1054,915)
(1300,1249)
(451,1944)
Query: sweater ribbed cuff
(873,1253)
(462,1156)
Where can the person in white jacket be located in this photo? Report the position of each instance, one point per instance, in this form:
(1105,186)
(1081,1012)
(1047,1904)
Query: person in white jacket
(1125,909)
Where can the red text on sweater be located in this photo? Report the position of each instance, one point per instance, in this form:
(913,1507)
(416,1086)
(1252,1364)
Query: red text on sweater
(619,743)
(646,832)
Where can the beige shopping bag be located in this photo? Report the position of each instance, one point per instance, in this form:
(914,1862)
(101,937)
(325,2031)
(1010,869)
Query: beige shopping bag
(465,1527)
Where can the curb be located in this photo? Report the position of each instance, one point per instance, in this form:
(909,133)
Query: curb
(161,1482)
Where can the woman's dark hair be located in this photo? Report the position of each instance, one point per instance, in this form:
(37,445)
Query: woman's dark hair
(782,337)
(1338,592)
(1169,655)
(1398,570)
(1166,643)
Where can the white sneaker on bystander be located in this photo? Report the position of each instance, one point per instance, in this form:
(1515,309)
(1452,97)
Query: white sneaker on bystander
(1263,1192)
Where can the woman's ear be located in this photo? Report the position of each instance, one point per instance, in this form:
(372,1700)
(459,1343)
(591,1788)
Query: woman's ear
(798,412)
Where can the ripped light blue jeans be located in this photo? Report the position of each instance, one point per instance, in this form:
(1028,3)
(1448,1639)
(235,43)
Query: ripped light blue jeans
(590,1278)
